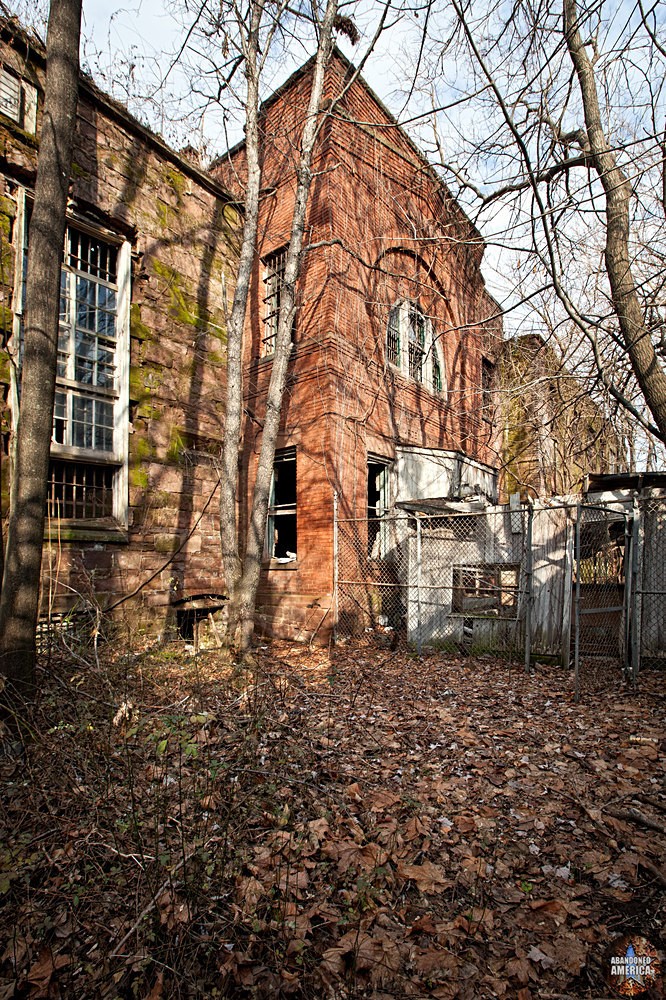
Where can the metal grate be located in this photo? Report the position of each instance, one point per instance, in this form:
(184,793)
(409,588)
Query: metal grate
(79,491)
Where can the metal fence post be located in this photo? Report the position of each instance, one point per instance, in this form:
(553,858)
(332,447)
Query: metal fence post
(528,588)
(335,567)
(636,617)
(577,608)
(419,640)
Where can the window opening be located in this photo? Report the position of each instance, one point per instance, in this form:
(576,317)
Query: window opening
(393,336)
(437,380)
(411,346)
(281,528)
(89,435)
(87,389)
(10,95)
(378,505)
(18,100)
(487,380)
(274,275)
(488,590)
(78,491)
(416,343)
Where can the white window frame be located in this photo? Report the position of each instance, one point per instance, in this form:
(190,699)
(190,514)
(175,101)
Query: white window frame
(283,456)
(18,99)
(378,524)
(405,320)
(118,456)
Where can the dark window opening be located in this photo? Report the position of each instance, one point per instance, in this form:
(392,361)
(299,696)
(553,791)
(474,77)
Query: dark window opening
(487,386)
(281,529)
(393,337)
(378,504)
(416,344)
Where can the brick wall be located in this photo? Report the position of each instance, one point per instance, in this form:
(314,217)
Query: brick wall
(390,232)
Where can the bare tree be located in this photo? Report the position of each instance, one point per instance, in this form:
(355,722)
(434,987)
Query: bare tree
(19,600)
(552,138)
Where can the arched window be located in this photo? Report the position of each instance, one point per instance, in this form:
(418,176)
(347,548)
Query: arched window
(411,346)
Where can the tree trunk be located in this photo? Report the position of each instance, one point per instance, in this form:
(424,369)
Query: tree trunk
(245,598)
(617,190)
(229,539)
(21,579)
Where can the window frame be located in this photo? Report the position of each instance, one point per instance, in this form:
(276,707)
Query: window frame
(64,454)
(479,590)
(274,266)
(283,456)
(377,520)
(25,112)
(411,346)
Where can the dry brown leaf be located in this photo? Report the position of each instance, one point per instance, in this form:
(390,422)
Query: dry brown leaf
(428,877)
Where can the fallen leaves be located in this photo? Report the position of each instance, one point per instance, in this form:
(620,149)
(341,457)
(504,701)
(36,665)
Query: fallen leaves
(344,826)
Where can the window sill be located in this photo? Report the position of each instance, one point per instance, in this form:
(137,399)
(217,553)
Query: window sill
(86,531)
(276,564)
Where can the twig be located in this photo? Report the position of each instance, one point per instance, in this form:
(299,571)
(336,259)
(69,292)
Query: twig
(637,817)
(656,872)
(151,905)
(650,800)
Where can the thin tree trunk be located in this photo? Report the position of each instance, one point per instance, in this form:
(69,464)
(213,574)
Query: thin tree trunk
(21,580)
(229,539)
(249,583)
(617,189)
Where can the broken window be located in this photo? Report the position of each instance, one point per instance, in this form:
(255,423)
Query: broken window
(281,527)
(486,590)
(274,272)
(411,345)
(18,100)
(87,472)
(487,386)
(378,505)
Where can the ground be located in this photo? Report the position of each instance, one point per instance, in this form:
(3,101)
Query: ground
(350,823)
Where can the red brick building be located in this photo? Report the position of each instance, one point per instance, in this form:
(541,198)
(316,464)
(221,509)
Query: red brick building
(394,341)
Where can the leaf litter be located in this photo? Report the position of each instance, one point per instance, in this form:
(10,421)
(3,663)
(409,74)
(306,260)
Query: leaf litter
(328,824)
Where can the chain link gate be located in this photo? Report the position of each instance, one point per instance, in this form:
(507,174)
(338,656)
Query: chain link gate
(648,620)
(601,596)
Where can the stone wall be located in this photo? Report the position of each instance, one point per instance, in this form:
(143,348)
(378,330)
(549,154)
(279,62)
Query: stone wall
(181,228)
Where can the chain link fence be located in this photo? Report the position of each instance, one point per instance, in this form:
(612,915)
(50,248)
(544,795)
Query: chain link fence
(553,580)
(648,634)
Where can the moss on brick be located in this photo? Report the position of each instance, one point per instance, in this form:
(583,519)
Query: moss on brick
(175,180)
(138,329)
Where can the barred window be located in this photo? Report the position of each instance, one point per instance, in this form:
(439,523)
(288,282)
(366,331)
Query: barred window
(274,271)
(78,491)
(416,343)
(393,336)
(411,345)
(89,439)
